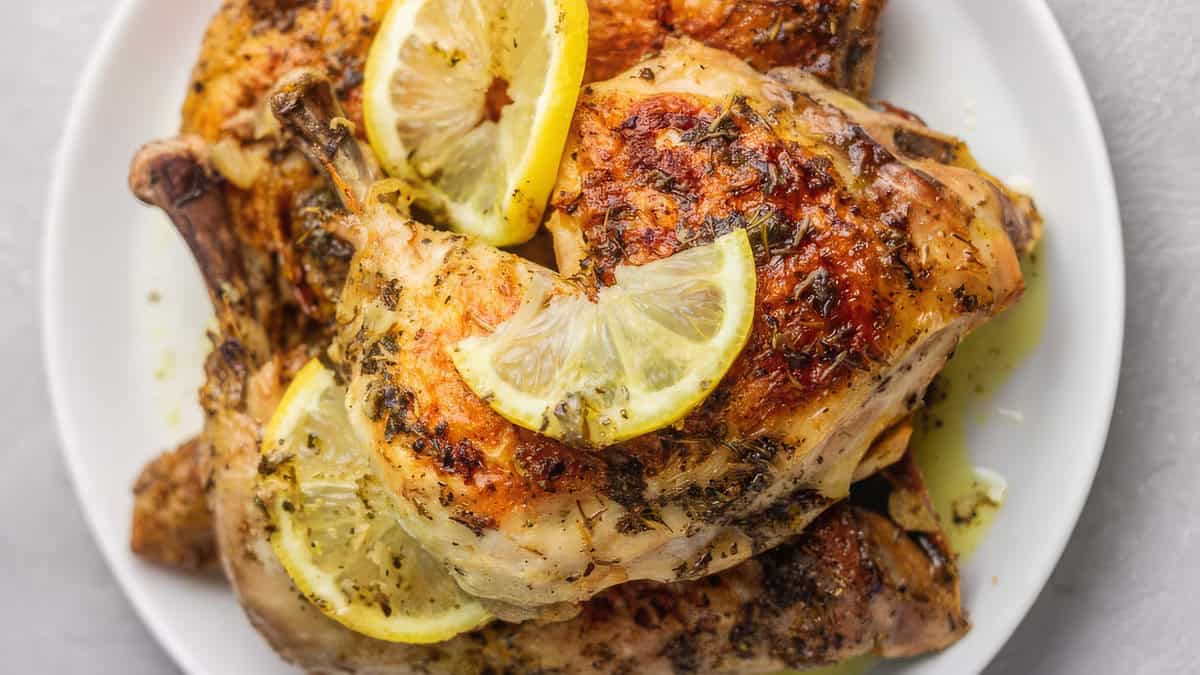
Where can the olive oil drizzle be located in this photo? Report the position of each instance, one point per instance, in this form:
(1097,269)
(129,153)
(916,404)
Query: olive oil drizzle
(959,397)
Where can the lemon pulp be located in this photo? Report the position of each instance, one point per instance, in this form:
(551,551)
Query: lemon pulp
(471,101)
(334,529)
(639,358)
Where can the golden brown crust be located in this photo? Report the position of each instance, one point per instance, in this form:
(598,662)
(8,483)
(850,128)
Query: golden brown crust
(871,266)
(853,583)
(858,248)
(833,39)
(622,32)
(832,270)
(251,44)
(172,524)
(750,619)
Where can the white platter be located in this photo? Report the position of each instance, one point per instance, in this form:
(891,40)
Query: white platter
(123,370)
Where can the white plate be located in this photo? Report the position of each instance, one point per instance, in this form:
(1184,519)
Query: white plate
(998,73)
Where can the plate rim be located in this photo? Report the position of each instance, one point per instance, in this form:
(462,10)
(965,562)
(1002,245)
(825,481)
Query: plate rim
(87,91)
(1064,60)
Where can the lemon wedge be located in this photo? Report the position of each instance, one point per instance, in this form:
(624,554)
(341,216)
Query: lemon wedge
(639,358)
(334,529)
(471,102)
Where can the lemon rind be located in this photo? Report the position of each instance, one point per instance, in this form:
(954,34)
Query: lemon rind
(531,179)
(473,357)
(293,551)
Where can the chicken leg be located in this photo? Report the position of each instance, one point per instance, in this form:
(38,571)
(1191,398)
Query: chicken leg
(872,265)
(860,583)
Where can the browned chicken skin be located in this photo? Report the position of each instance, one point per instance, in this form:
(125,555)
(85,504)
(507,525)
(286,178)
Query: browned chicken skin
(866,585)
(172,524)
(872,265)
(861,583)
(865,224)
(833,39)
(251,44)
(291,267)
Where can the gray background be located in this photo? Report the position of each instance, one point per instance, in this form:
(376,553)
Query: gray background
(1124,598)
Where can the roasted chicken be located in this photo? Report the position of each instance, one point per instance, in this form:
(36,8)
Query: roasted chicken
(172,522)
(733,543)
(833,39)
(873,264)
(862,582)
(252,44)
(291,267)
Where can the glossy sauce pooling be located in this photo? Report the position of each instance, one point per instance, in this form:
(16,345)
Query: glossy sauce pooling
(961,396)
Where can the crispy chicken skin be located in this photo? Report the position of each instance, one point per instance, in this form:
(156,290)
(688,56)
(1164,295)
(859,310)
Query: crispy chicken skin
(271,191)
(872,265)
(251,44)
(853,583)
(290,267)
(172,524)
(833,39)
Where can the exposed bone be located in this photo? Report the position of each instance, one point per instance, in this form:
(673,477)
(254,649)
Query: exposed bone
(305,104)
(176,176)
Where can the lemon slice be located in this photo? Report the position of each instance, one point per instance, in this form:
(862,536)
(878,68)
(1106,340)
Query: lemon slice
(334,529)
(471,101)
(650,348)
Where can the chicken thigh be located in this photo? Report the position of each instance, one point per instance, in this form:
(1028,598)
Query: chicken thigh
(864,584)
(291,268)
(872,265)
(251,44)
(853,583)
